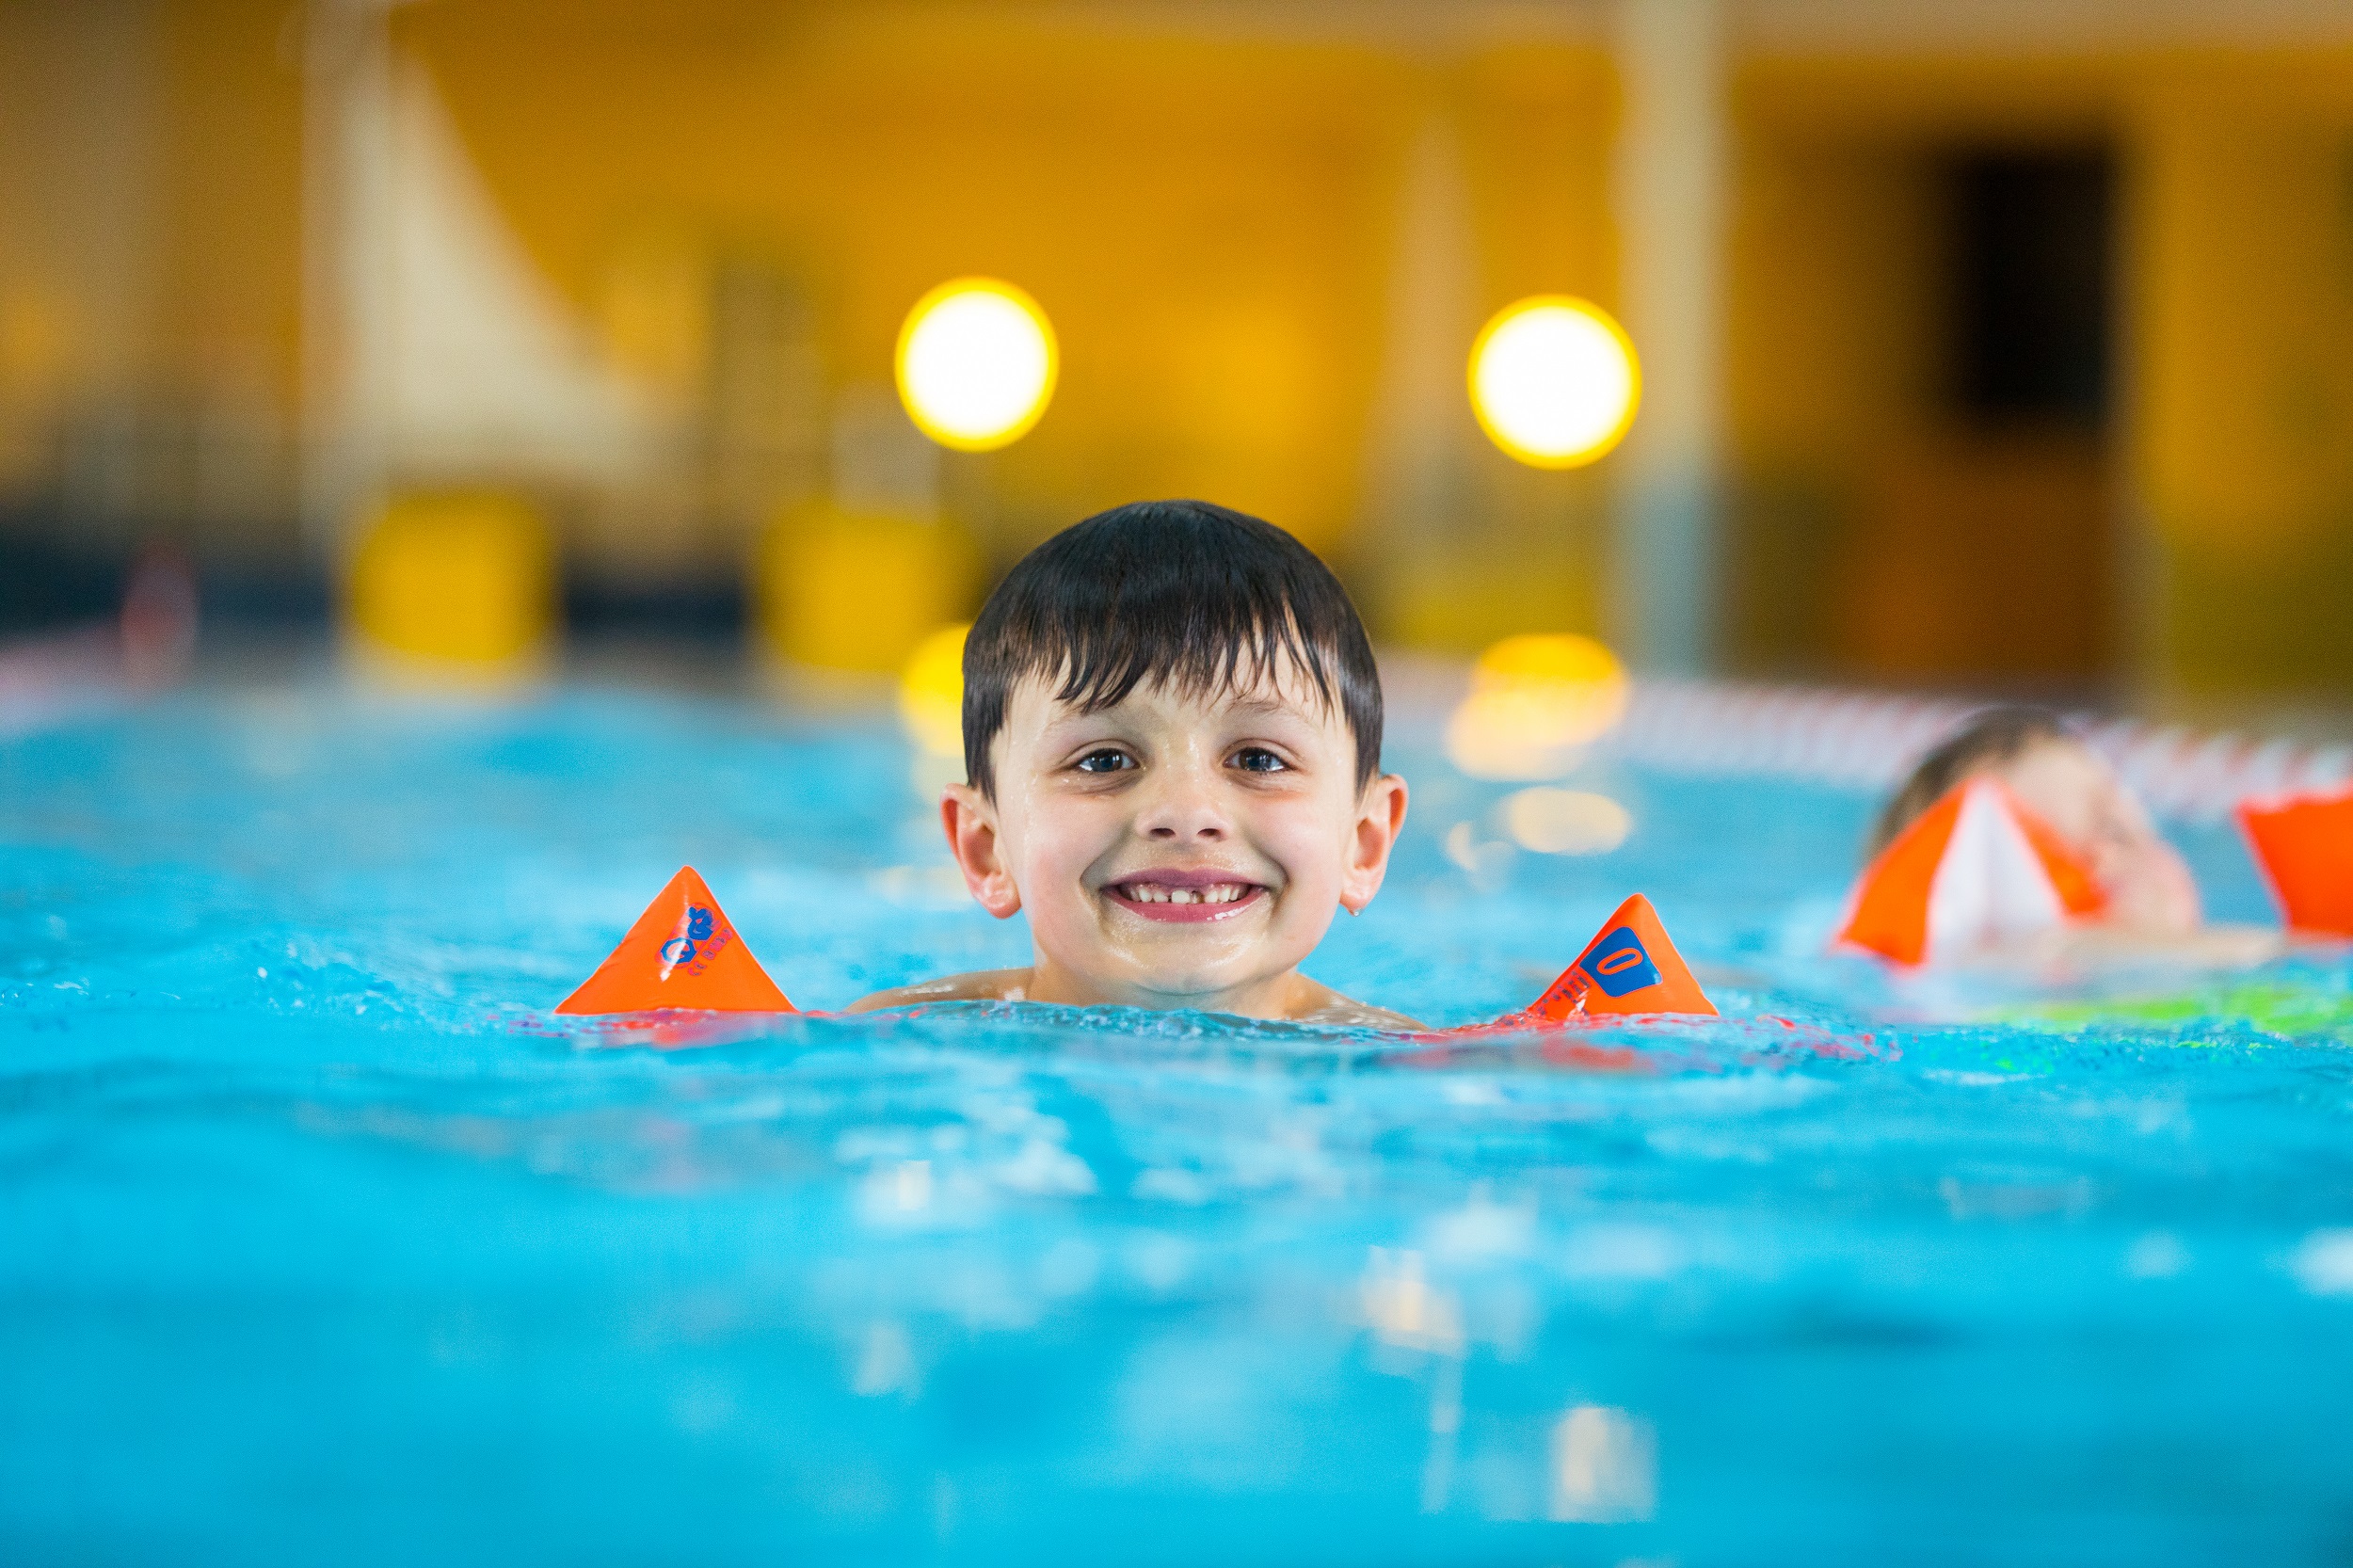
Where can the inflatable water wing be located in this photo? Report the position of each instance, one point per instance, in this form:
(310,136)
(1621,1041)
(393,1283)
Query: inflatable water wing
(2305,848)
(1629,967)
(683,952)
(1976,869)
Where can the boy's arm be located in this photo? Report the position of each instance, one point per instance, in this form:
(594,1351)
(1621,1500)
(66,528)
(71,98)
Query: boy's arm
(979,985)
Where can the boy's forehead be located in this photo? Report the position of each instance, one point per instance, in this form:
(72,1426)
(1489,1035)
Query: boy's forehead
(1283,687)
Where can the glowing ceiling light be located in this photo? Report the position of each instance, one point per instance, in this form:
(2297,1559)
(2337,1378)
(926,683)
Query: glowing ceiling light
(1554,381)
(1535,701)
(977,362)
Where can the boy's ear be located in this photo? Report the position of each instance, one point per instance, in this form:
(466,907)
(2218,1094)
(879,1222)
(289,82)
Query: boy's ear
(1380,817)
(971,824)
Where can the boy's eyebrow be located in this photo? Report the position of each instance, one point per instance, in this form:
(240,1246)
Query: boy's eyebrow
(1263,705)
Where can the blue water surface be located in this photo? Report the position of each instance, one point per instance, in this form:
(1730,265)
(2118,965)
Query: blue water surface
(322,1240)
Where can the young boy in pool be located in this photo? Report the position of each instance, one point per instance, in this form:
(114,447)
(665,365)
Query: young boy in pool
(2153,903)
(1171,747)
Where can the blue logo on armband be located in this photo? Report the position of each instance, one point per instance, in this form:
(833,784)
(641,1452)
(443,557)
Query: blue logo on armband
(1619,964)
(681,950)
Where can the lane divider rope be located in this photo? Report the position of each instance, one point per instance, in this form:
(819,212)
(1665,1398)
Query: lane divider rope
(1869,740)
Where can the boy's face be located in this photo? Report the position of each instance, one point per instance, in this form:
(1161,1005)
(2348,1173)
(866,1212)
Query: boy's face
(1175,851)
(2067,785)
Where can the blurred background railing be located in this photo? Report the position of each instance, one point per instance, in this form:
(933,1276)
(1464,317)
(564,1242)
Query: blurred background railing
(1985,345)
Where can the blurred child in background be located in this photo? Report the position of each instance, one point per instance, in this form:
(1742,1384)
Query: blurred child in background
(2152,907)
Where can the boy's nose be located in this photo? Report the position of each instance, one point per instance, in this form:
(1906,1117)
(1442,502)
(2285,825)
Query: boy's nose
(1210,832)
(1183,809)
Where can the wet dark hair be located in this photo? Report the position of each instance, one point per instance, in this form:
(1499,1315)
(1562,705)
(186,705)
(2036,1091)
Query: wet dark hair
(1992,735)
(1182,592)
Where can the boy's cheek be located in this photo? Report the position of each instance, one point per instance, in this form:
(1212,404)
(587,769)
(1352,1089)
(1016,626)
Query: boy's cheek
(1307,835)
(1063,841)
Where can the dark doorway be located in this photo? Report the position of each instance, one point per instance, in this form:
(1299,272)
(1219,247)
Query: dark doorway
(2029,305)
(1982,553)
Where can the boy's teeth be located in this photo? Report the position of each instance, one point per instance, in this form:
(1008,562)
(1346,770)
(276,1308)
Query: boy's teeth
(1153,893)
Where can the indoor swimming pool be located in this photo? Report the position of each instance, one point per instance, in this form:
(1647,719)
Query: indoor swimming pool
(322,1240)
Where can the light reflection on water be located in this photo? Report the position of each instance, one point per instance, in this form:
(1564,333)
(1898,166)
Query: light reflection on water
(1605,1467)
(320,1229)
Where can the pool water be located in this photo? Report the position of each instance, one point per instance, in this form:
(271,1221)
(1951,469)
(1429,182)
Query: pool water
(321,1239)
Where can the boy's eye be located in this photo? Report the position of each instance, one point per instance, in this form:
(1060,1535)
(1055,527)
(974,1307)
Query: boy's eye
(1258,760)
(1105,760)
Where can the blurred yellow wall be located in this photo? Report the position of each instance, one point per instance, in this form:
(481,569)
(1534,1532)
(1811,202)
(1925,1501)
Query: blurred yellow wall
(1207,223)
(1194,234)
(151,257)
(1210,214)
(2243,449)
(228,295)
(75,95)
(2212,529)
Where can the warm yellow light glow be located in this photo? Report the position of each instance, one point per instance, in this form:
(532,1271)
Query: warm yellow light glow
(1535,700)
(930,693)
(1565,821)
(977,362)
(1554,381)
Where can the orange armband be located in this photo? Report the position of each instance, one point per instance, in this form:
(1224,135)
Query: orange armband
(2305,848)
(683,952)
(1975,867)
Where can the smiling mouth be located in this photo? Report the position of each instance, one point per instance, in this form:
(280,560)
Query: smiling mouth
(1192,898)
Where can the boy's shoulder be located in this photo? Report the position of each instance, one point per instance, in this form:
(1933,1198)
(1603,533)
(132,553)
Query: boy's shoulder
(978,985)
(1320,1004)
(1329,1008)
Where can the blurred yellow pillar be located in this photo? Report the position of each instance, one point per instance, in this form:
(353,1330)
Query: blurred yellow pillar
(464,580)
(1673,142)
(859,590)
